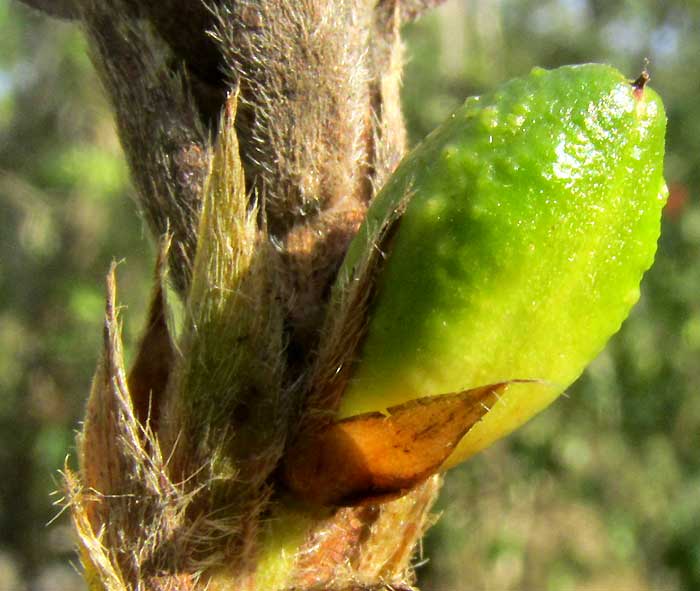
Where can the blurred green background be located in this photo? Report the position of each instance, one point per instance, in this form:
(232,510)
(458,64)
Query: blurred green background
(601,492)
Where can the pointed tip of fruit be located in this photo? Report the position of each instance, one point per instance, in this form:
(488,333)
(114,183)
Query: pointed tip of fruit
(640,83)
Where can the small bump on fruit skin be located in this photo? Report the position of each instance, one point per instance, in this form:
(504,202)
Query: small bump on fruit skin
(535,211)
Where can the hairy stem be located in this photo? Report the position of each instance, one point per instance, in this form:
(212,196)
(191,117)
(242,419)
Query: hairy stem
(259,209)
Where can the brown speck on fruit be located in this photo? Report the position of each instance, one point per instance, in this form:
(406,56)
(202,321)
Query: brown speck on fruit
(640,83)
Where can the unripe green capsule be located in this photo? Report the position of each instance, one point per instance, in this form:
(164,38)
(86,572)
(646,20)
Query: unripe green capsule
(532,214)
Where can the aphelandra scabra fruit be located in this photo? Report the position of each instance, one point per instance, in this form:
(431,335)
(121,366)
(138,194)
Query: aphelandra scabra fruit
(523,226)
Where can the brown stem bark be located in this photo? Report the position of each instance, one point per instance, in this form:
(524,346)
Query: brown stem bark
(319,130)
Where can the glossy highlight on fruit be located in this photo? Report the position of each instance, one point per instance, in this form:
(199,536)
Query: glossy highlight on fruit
(532,214)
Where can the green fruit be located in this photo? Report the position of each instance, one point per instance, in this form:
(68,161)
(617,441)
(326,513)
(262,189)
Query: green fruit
(534,212)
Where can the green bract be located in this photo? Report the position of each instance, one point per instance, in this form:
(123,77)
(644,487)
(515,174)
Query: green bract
(532,215)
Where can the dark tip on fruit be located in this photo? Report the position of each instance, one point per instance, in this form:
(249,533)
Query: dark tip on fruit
(640,83)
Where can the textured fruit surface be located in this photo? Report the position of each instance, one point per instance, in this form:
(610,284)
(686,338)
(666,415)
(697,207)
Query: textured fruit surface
(534,212)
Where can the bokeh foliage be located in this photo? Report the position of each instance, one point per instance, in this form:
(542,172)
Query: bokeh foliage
(601,491)
(65,214)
